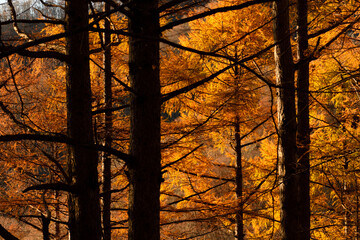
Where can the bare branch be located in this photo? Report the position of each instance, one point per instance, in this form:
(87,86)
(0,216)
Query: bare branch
(211,12)
(183,157)
(6,234)
(52,186)
(64,139)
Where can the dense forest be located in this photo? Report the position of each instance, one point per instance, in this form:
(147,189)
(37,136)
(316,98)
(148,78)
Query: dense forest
(179,119)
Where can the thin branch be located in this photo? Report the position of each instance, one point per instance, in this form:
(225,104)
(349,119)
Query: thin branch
(64,139)
(335,25)
(6,234)
(199,125)
(113,109)
(211,12)
(32,21)
(197,193)
(190,87)
(205,176)
(183,157)
(16,27)
(169,4)
(114,191)
(58,165)
(52,186)
(116,79)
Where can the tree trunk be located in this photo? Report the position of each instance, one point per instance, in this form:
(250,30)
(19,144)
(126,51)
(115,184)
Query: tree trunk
(303,127)
(238,174)
(84,206)
(286,121)
(45,227)
(345,199)
(108,131)
(57,216)
(239,181)
(357,232)
(145,171)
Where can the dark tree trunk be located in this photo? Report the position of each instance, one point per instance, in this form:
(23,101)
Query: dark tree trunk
(45,227)
(357,233)
(57,216)
(145,170)
(303,126)
(286,121)
(239,182)
(108,131)
(238,154)
(84,206)
(345,199)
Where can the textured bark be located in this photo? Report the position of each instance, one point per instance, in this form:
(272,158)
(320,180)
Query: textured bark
(84,206)
(303,126)
(145,170)
(286,121)
(108,130)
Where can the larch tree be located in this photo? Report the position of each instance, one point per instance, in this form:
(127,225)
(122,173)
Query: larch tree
(214,112)
(303,124)
(144,168)
(108,120)
(145,104)
(84,204)
(286,120)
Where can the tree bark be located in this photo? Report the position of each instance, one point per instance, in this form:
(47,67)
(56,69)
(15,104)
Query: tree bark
(286,121)
(345,199)
(238,154)
(145,171)
(239,181)
(357,220)
(303,126)
(108,131)
(84,206)
(57,216)
(45,227)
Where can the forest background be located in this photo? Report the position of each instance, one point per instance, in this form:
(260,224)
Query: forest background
(179,119)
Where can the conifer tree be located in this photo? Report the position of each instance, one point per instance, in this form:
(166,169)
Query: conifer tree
(286,120)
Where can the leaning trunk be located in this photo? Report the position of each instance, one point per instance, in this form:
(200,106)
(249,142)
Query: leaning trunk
(145,169)
(286,121)
(84,206)
(303,127)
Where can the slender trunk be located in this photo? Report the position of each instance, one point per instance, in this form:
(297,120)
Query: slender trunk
(145,170)
(286,121)
(108,131)
(303,127)
(238,175)
(84,206)
(239,182)
(57,216)
(345,195)
(357,233)
(45,227)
